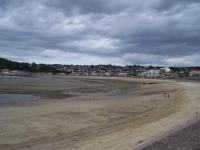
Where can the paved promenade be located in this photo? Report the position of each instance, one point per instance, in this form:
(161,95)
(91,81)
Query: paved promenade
(185,139)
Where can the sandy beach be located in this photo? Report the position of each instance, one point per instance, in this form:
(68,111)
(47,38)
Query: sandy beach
(82,113)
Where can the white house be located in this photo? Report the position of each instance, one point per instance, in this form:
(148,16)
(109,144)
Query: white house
(194,74)
(5,71)
(166,69)
(122,74)
(150,73)
(166,72)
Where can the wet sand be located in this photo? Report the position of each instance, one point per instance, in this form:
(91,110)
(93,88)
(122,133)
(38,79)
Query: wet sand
(92,113)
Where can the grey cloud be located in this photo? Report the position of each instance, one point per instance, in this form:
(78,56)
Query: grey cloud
(125,31)
(71,7)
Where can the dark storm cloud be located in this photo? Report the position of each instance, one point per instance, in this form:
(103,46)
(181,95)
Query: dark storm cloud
(117,31)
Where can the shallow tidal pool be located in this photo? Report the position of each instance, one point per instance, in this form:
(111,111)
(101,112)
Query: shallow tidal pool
(17,97)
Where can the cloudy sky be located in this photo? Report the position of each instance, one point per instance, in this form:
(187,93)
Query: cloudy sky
(120,32)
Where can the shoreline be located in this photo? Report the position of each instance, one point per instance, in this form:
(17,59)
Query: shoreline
(116,122)
(191,118)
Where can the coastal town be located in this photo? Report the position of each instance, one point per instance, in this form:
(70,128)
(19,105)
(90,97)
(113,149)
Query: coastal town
(15,68)
(99,75)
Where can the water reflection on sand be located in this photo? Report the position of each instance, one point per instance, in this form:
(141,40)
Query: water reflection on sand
(17,97)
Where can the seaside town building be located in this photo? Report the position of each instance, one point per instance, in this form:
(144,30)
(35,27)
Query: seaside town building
(194,74)
(167,73)
(153,73)
(13,72)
